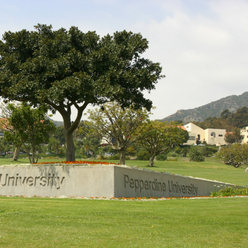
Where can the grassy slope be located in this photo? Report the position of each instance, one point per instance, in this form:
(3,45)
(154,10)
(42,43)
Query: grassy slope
(211,168)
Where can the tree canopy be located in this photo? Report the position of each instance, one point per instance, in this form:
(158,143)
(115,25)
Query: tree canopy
(234,136)
(30,128)
(70,68)
(229,121)
(158,137)
(235,155)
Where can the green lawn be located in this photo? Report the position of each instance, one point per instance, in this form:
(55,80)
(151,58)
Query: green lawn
(41,222)
(211,168)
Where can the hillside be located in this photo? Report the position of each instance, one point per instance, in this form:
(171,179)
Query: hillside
(213,109)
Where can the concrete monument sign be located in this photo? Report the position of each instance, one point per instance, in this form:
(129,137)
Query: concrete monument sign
(100,181)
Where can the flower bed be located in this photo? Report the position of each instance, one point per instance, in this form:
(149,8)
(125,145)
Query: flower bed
(127,198)
(86,162)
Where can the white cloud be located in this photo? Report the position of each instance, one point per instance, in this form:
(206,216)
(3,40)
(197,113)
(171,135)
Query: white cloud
(203,56)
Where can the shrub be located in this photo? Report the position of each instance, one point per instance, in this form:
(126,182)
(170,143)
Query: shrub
(114,157)
(229,191)
(209,150)
(127,158)
(143,155)
(161,157)
(235,154)
(182,150)
(196,155)
(171,159)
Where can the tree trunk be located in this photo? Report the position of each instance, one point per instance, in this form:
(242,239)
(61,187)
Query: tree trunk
(151,160)
(16,153)
(70,148)
(33,154)
(65,111)
(122,153)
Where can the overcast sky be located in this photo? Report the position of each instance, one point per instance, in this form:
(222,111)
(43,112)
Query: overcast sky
(202,45)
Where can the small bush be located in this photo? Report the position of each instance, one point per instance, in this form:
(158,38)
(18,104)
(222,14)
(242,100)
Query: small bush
(161,157)
(195,155)
(117,157)
(143,155)
(208,151)
(183,151)
(230,192)
(114,157)
(172,154)
(172,159)
(127,157)
(235,154)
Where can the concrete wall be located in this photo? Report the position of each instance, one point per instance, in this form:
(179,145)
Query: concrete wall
(53,181)
(138,183)
(99,181)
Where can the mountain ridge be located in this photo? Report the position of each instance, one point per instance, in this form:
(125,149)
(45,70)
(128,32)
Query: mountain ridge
(212,109)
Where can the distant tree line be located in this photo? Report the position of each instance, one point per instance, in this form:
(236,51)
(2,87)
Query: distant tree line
(228,120)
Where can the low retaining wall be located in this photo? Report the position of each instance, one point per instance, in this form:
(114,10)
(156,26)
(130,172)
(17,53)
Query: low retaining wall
(100,181)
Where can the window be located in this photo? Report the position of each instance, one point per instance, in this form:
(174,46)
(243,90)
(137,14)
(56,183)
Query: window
(191,137)
(220,135)
(213,135)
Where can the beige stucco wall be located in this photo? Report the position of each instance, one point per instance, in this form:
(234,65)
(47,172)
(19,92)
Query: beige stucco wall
(194,131)
(244,131)
(215,136)
(99,181)
(205,135)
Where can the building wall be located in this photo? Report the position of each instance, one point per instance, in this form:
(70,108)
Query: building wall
(244,131)
(211,136)
(215,136)
(195,133)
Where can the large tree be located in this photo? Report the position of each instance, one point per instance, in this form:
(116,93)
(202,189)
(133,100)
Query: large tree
(70,68)
(118,127)
(159,137)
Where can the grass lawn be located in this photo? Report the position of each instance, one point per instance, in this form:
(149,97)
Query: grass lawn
(211,168)
(42,222)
